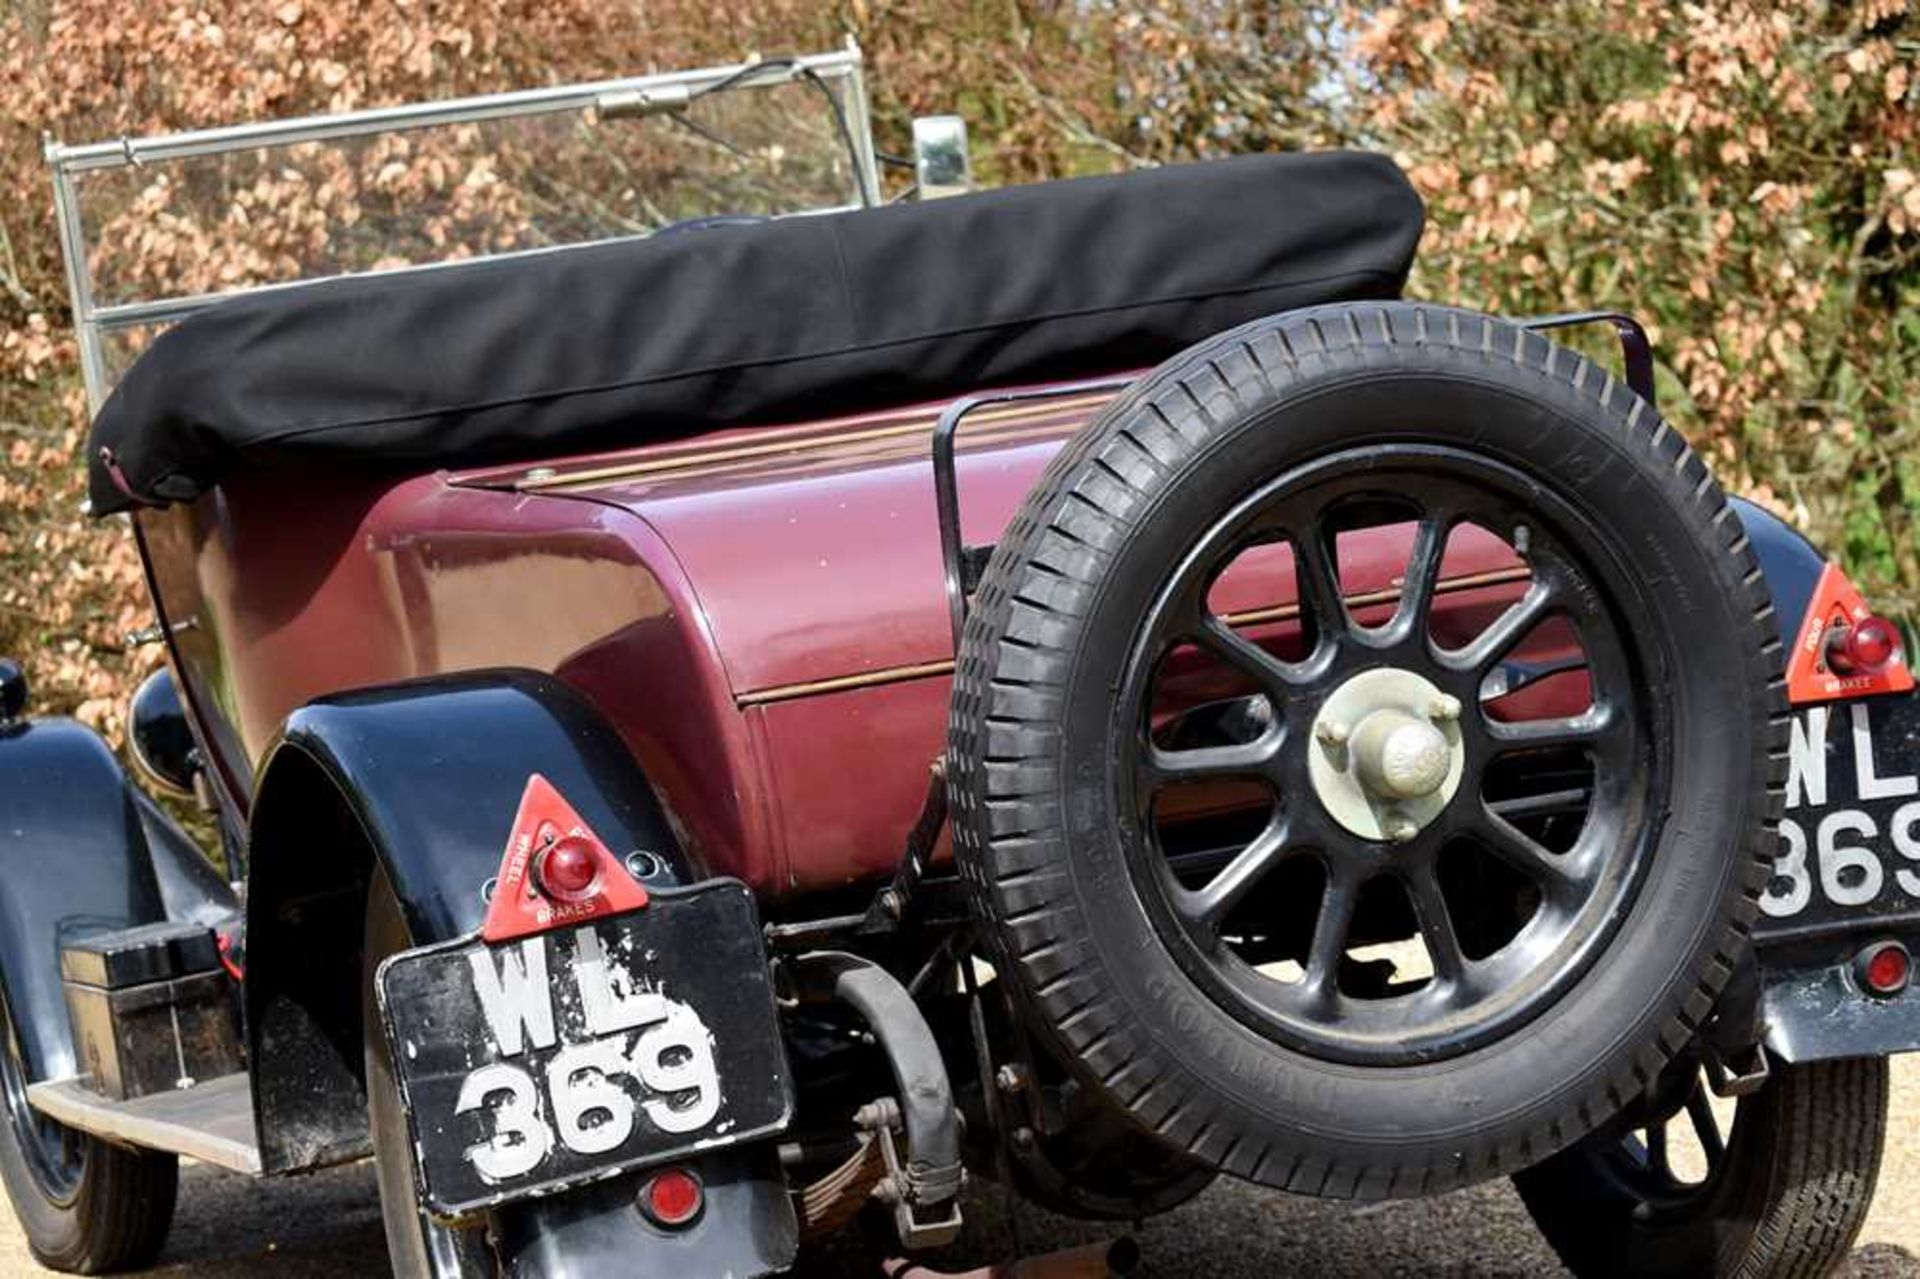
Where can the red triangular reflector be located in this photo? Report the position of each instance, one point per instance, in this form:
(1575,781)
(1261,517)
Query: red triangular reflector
(519,908)
(1836,601)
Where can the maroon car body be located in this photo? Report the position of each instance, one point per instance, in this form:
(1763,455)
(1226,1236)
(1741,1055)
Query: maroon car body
(759,612)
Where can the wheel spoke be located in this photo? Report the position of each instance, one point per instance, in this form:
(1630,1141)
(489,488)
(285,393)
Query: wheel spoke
(1209,905)
(1423,576)
(1705,1126)
(1330,931)
(1505,631)
(1436,925)
(1231,646)
(1657,1151)
(1523,853)
(1317,566)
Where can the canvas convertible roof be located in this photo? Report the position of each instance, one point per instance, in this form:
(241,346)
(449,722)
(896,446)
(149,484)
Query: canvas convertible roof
(621,343)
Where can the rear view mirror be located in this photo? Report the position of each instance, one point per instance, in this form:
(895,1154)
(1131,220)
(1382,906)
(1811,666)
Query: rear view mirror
(940,162)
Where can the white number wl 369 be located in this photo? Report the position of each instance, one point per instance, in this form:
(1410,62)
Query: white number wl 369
(659,1043)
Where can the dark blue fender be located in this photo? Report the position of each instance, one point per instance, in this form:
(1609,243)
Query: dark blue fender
(81,851)
(73,861)
(1791,563)
(422,781)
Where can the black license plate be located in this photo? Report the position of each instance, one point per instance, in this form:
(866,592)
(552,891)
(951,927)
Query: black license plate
(1850,840)
(572,1055)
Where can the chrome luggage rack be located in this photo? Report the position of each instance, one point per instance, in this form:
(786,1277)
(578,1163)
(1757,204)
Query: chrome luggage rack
(962,565)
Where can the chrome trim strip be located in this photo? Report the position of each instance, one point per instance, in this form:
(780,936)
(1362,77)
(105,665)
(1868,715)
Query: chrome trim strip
(840,683)
(1251,617)
(1009,433)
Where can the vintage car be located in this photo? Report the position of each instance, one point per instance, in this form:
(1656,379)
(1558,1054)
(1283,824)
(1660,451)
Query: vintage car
(741,704)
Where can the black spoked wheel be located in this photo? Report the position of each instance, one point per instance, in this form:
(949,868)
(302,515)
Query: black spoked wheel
(86,1207)
(1364,747)
(55,1156)
(1776,1186)
(1381,750)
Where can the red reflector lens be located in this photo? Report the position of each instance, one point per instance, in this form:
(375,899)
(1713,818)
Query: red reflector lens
(1873,644)
(673,1197)
(1885,969)
(1865,648)
(569,871)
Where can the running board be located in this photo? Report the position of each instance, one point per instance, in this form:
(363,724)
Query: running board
(210,1122)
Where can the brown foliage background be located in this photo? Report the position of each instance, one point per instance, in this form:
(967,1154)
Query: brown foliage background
(1743,175)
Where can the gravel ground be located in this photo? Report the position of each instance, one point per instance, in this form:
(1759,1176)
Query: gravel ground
(329,1225)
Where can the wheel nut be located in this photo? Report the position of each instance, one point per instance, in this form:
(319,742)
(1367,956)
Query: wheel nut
(1400,830)
(1445,707)
(1332,732)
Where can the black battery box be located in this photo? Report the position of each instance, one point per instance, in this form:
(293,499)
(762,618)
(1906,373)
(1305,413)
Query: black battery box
(152,1009)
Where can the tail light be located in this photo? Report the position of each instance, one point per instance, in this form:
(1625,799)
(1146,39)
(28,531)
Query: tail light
(1883,969)
(568,870)
(1843,649)
(672,1197)
(1865,647)
(555,872)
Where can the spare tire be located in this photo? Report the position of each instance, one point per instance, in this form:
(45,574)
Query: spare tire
(1225,998)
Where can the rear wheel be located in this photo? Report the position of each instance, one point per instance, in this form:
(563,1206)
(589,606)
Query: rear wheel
(85,1207)
(1774,1188)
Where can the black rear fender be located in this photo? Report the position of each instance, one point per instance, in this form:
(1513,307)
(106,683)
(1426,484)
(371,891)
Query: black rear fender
(423,778)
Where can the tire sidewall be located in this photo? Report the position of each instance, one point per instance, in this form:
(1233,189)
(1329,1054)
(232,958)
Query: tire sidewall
(93,1229)
(54,1231)
(415,1247)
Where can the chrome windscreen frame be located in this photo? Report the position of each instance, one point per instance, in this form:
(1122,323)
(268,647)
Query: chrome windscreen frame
(93,323)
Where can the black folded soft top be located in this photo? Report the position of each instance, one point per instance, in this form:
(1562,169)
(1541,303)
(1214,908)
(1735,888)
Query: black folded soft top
(615,344)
